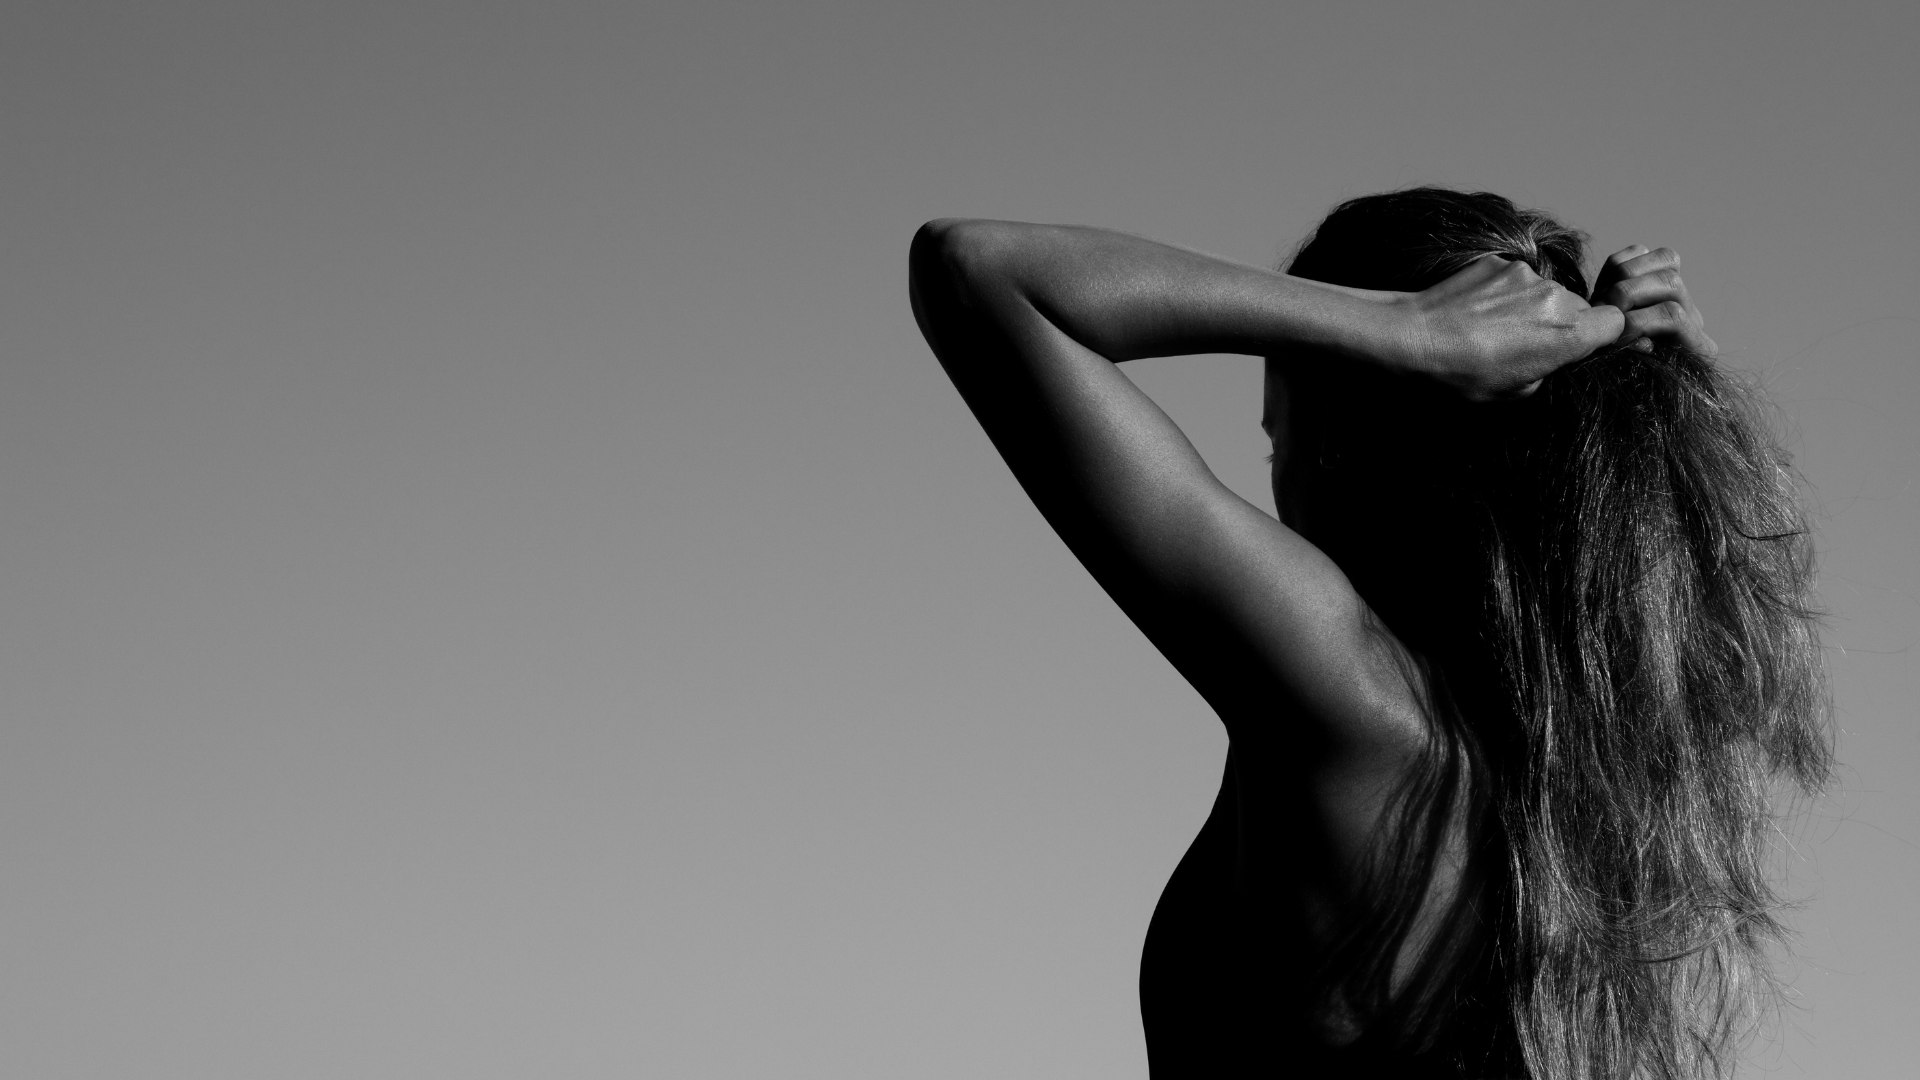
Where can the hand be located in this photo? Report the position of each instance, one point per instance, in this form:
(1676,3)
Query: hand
(1646,286)
(1496,328)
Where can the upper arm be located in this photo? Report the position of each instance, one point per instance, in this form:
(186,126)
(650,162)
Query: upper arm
(1250,612)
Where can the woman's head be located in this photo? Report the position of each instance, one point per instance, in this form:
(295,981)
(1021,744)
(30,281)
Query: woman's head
(1405,241)
(1610,581)
(1401,241)
(1365,462)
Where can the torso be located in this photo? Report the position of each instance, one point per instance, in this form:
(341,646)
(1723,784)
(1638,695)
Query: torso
(1204,1005)
(1225,973)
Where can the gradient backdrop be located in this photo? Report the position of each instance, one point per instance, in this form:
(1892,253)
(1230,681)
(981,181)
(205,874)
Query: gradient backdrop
(492,584)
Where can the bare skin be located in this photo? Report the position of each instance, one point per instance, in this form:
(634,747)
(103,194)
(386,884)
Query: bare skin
(1646,285)
(1030,322)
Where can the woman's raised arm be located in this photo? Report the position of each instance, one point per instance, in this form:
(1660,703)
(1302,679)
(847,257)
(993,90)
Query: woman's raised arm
(1029,321)
(1126,297)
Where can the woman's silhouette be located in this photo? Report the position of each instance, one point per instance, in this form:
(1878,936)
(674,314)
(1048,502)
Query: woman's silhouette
(1509,682)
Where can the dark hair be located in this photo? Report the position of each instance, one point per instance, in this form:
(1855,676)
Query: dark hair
(1608,599)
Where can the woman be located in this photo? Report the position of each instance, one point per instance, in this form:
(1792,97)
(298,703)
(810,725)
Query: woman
(1507,684)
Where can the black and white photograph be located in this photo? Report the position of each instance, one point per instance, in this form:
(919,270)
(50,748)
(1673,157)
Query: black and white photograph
(908,541)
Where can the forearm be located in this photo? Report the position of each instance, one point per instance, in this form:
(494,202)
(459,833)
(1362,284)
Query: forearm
(1125,297)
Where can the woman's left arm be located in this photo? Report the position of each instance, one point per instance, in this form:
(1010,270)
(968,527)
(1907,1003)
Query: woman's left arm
(1029,320)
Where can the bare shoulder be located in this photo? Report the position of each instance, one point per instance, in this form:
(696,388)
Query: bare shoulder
(1295,644)
(1325,705)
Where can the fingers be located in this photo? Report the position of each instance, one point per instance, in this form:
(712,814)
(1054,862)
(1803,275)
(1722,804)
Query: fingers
(1618,258)
(1637,259)
(1630,262)
(1646,290)
(1634,262)
(1610,270)
(1669,320)
(1646,285)
(1598,326)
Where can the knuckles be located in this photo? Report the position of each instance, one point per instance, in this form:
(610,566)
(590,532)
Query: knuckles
(1623,294)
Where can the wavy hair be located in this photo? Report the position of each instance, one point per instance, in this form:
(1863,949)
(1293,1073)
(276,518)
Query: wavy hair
(1606,589)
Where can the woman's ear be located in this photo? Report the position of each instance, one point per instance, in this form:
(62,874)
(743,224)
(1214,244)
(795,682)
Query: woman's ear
(1276,419)
(1274,401)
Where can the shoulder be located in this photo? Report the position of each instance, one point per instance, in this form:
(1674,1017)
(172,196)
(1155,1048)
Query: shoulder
(1289,644)
(1345,748)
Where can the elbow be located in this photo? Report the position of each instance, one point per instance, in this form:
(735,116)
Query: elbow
(930,261)
(961,272)
(958,255)
(941,234)
(938,276)
(952,237)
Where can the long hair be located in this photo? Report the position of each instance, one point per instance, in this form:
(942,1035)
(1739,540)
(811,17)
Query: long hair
(1606,587)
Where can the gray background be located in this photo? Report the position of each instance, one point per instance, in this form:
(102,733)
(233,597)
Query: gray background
(493,585)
